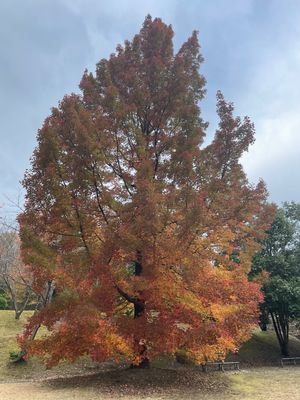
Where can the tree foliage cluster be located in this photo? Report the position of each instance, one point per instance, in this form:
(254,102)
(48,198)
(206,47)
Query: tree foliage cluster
(279,260)
(147,233)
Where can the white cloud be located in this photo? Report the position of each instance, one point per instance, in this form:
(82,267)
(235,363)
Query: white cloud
(272,95)
(127,17)
(277,142)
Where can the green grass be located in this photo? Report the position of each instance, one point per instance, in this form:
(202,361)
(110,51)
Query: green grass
(263,349)
(33,368)
(9,328)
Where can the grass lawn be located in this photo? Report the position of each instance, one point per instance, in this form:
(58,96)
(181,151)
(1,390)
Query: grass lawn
(9,328)
(265,383)
(263,349)
(33,369)
(260,378)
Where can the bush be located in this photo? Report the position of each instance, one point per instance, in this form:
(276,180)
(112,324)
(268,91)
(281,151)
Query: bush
(16,356)
(3,302)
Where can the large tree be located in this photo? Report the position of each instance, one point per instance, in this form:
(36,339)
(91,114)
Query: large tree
(147,234)
(280,259)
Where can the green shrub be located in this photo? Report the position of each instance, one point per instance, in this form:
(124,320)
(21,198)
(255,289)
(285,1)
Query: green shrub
(3,302)
(16,356)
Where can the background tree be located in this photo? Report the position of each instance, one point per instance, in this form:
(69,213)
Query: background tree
(3,299)
(280,258)
(148,237)
(15,280)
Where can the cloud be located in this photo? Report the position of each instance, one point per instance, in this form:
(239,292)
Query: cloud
(250,49)
(275,156)
(272,96)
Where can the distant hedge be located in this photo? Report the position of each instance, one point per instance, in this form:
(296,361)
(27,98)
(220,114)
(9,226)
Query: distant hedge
(3,302)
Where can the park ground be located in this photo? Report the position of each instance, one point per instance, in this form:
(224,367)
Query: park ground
(260,378)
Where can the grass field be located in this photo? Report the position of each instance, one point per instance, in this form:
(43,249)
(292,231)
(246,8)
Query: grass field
(263,350)
(260,378)
(33,369)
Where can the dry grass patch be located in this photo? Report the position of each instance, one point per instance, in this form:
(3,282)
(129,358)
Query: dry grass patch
(85,380)
(265,384)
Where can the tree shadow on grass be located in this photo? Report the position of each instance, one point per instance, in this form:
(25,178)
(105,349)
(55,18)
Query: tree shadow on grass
(153,381)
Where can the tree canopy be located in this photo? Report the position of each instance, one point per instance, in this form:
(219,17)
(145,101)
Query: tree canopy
(280,259)
(147,233)
(15,280)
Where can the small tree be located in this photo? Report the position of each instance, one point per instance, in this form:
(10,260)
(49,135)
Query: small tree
(15,280)
(280,259)
(147,235)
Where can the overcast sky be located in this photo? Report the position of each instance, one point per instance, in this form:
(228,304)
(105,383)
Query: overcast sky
(251,50)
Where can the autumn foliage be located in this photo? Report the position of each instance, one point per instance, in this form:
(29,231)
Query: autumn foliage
(147,234)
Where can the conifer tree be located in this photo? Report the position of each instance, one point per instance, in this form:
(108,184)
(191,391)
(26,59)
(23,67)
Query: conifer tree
(147,234)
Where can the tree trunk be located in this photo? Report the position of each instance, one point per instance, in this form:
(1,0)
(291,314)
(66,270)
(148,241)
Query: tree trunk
(44,300)
(19,309)
(17,314)
(263,326)
(285,349)
(139,309)
(281,326)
